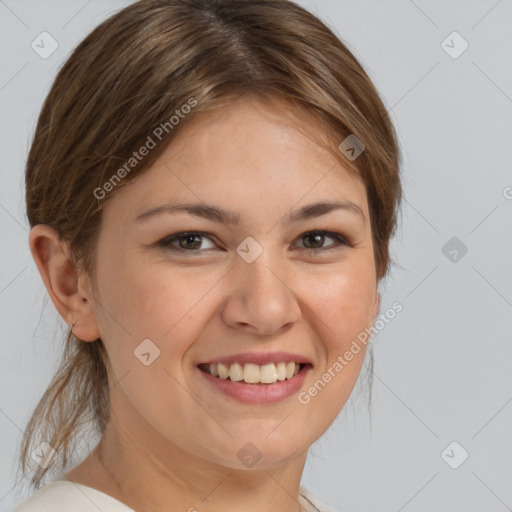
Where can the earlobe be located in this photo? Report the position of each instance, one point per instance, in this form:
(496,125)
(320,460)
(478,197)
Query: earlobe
(61,281)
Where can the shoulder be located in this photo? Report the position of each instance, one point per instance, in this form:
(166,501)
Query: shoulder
(314,501)
(66,496)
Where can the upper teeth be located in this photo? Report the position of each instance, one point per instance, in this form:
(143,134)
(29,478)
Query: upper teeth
(253,373)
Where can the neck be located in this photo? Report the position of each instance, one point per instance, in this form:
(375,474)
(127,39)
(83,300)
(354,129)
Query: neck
(151,475)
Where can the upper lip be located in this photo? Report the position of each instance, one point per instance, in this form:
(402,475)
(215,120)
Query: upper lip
(259,358)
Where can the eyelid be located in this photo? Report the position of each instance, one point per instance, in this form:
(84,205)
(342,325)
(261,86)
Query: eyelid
(340,241)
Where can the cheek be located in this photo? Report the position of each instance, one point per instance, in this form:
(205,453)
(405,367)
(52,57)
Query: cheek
(145,327)
(343,306)
(156,302)
(344,301)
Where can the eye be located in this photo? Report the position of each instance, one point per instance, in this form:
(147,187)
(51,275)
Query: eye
(187,241)
(315,239)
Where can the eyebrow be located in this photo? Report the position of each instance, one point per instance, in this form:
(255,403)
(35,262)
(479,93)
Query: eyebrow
(217,214)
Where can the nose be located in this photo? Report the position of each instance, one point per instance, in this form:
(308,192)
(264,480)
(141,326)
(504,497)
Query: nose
(261,299)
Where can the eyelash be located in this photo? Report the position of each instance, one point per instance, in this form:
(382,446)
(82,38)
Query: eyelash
(166,242)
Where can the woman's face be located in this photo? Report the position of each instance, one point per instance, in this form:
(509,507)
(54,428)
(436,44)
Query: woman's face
(242,292)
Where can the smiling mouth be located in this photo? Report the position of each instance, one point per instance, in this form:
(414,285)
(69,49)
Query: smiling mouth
(250,373)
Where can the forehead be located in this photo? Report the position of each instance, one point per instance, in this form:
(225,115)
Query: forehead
(246,154)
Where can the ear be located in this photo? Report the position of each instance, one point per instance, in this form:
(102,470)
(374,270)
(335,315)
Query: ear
(376,308)
(73,301)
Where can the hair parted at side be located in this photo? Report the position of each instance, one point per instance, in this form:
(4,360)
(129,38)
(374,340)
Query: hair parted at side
(129,76)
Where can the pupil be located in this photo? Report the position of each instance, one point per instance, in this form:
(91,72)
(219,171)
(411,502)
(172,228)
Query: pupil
(316,237)
(190,238)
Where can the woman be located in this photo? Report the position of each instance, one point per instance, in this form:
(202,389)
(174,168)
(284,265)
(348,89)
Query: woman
(211,188)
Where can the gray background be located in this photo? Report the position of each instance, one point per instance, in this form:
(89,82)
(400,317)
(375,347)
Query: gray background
(443,365)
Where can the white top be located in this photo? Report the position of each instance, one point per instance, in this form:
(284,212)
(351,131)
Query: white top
(66,496)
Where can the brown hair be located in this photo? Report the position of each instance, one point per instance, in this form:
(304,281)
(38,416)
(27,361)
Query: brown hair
(129,76)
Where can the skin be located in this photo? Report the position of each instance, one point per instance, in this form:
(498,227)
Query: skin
(172,440)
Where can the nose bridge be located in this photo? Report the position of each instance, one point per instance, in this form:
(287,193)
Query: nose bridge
(262,295)
(265,274)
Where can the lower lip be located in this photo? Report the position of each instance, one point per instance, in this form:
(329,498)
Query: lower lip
(258,393)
